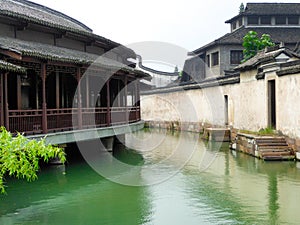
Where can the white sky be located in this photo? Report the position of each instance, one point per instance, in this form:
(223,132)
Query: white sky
(189,24)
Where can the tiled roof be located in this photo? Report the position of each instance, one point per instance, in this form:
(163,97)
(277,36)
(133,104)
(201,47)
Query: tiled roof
(269,9)
(286,35)
(6,66)
(41,14)
(45,51)
(59,54)
(289,68)
(266,55)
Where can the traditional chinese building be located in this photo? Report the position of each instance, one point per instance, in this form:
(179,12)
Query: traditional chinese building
(52,78)
(280,20)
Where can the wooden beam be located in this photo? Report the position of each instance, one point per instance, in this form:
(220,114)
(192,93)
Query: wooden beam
(11,54)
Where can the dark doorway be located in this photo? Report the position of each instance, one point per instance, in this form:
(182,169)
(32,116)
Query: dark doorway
(272,104)
(226,109)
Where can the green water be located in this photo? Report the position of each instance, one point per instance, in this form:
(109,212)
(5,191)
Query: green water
(200,184)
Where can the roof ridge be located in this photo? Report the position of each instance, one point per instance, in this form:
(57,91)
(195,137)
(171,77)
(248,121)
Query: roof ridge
(52,11)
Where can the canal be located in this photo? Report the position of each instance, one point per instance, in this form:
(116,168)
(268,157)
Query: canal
(182,180)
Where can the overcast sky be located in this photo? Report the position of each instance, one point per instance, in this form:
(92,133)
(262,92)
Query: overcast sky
(189,24)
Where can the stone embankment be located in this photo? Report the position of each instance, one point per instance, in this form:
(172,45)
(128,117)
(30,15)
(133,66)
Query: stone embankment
(266,147)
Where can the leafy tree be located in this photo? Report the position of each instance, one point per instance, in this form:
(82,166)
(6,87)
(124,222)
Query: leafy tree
(19,157)
(252,44)
(180,73)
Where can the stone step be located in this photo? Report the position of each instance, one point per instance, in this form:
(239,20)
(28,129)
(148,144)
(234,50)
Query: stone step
(274,150)
(272,147)
(272,144)
(273,140)
(277,154)
(277,158)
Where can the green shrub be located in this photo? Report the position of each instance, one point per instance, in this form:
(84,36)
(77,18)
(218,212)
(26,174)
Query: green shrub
(19,157)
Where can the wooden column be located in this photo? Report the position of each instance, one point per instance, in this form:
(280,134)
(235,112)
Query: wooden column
(37,92)
(57,84)
(19,93)
(136,100)
(108,116)
(6,118)
(44,101)
(79,99)
(87,92)
(126,94)
(1,101)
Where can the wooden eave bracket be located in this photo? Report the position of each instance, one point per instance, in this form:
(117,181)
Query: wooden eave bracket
(11,54)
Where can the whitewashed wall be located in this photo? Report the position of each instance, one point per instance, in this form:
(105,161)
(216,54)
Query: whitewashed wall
(248,104)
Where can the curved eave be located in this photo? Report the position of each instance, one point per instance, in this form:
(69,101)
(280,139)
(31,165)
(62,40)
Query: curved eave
(9,67)
(106,41)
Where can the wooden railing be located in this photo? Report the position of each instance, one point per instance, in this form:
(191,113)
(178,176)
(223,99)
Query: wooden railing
(31,121)
(28,121)
(62,119)
(94,117)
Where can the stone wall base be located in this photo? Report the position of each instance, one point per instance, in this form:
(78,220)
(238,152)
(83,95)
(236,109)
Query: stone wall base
(293,143)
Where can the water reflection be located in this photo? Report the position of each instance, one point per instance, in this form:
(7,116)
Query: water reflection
(73,195)
(234,189)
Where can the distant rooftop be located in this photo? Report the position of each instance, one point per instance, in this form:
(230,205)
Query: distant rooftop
(266,55)
(287,35)
(269,9)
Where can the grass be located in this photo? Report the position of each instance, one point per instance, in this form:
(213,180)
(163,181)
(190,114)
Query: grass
(262,132)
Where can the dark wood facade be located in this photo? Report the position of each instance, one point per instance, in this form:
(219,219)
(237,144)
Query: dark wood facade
(46,99)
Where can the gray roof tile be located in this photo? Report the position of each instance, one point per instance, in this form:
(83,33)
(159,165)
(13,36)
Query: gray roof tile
(266,55)
(269,9)
(59,54)
(6,66)
(286,35)
(38,13)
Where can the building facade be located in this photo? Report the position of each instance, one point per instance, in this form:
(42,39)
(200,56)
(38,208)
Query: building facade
(264,93)
(280,20)
(57,75)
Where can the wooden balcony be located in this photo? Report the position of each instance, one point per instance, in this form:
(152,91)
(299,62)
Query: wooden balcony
(57,120)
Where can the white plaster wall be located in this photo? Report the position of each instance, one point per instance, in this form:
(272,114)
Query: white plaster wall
(288,105)
(247,104)
(202,105)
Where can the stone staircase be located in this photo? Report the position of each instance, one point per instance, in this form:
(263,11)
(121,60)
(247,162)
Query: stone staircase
(263,147)
(272,148)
